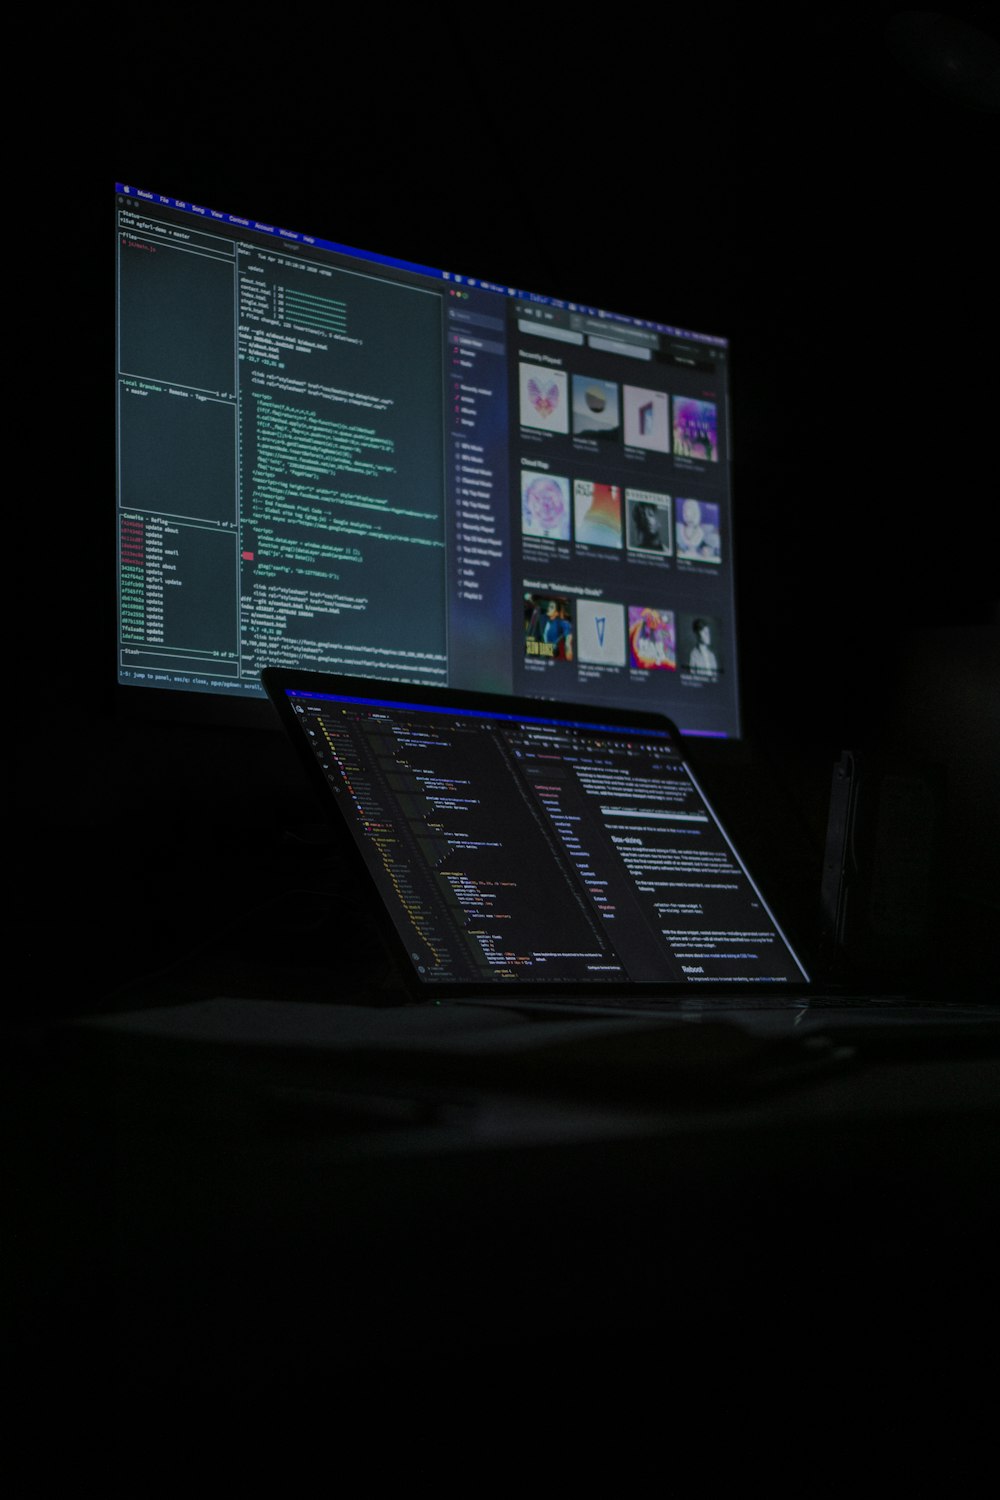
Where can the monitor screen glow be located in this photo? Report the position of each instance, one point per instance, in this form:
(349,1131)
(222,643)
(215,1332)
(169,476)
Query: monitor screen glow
(340,460)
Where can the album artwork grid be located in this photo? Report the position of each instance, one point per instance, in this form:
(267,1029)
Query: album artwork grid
(561,516)
(584,406)
(601,633)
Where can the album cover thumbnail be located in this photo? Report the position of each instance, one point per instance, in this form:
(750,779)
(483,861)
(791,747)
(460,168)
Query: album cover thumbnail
(544,398)
(595,408)
(647,419)
(696,429)
(648,526)
(548,627)
(698,643)
(698,535)
(545,506)
(598,513)
(652,641)
(600,632)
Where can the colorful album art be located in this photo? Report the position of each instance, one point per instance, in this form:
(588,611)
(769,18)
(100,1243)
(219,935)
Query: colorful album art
(600,632)
(598,513)
(696,429)
(652,640)
(548,627)
(698,536)
(545,506)
(595,408)
(698,645)
(647,419)
(544,398)
(648,525)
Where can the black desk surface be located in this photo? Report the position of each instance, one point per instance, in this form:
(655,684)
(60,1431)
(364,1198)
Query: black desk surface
(222,1191)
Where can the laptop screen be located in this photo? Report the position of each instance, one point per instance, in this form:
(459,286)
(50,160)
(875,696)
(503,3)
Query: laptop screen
(514,847)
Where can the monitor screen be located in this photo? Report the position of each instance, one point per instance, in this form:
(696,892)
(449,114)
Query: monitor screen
(336,459)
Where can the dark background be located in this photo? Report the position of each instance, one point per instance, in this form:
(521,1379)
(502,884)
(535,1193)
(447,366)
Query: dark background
(817,188)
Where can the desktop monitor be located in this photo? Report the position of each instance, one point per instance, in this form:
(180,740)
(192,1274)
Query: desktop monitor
(338,459)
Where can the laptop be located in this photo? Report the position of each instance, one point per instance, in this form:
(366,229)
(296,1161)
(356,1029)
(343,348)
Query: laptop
(528,853)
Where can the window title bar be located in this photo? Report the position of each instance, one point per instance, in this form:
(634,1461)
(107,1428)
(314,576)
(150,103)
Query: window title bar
(292,236)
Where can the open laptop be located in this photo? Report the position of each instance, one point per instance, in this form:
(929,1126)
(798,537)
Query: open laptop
(542,854)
